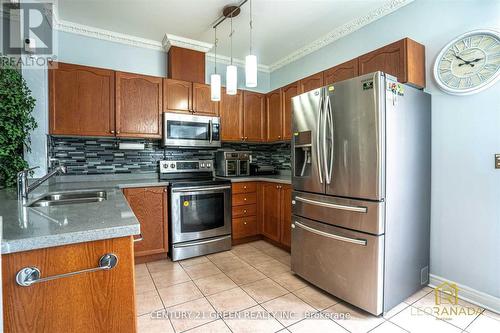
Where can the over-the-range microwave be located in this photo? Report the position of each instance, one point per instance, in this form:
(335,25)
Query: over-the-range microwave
(190,131)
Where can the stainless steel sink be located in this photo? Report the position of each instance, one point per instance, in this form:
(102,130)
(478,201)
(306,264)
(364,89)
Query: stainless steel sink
(67,198)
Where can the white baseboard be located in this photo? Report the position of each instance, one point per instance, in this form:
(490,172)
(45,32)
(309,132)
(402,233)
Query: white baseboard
(469,294)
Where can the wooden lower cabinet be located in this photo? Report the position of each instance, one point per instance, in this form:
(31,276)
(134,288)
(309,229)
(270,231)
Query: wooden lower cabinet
(149,205)
(271,211)
(245,210)
(102,301)
(286,215)
(244,227)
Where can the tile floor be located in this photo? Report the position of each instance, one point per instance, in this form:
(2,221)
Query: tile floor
(251,289)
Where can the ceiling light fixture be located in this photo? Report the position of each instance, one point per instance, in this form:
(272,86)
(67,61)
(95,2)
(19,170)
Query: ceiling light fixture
(215,82)
(251,60)
(231,70)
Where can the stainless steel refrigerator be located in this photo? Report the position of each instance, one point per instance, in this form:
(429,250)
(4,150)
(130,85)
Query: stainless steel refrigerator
(361,163)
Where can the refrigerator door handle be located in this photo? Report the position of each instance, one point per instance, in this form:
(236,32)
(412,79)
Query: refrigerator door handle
(318,135)
(333,236)
(323,138)
(356,209)
(329,118)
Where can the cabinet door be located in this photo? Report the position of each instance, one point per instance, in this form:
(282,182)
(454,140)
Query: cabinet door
(344,71)
(202,100)
(274,115)
(311,82)
(244,227)
(286,215)
(97,302)
(149,205)
(138,105)
(81,100)
(271,211)
(231,116)
(288,92)
(177,96)
(253,116)
(389,59)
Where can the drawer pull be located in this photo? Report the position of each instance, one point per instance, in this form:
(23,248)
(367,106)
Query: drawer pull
(31,274)
(244,199)
(245,187)
(333,236)
(244,211)
(334,206)
(139,239)
(245,222)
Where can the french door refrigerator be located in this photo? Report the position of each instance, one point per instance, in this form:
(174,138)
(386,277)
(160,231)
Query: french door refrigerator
(361,177)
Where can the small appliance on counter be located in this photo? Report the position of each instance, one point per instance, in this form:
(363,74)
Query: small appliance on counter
(232,163)
(262,170)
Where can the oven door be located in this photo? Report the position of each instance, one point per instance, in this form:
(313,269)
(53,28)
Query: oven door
(190,131)
(200,212)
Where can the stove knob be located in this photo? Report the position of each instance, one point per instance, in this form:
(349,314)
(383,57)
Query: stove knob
(208,165)
(172,166)
(165,165)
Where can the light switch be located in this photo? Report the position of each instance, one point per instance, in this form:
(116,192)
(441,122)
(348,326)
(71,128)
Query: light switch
(497,161)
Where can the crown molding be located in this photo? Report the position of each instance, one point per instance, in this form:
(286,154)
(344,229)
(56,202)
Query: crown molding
(170,40)
(344,30)
(236,61)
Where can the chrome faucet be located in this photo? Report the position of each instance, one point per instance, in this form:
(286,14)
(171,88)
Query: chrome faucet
(23,188)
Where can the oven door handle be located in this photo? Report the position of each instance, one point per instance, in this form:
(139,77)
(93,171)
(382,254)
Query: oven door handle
(210,138)
(198,189)
(202,242)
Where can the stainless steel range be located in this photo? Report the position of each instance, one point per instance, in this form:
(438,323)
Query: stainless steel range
(200,208)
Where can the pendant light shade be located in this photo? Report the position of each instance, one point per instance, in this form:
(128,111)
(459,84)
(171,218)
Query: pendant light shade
(251,70)
(215,86)
(231,80)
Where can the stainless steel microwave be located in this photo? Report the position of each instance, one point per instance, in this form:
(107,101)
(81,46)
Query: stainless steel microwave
(185,130)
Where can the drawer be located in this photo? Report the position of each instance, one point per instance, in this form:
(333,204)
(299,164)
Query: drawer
(244,227)
(244,199)
(246,210)
(244,187)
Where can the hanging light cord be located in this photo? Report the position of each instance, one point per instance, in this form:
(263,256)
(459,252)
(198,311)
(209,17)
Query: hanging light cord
(251,26)
(215,44)
(231,37)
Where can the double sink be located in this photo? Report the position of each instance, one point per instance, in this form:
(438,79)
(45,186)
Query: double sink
(69,197)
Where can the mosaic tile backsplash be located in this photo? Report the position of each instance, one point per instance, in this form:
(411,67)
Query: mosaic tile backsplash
(102,156)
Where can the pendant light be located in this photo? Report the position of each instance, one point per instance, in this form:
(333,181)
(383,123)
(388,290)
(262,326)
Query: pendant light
(231,70)
(251,60)
(215,81)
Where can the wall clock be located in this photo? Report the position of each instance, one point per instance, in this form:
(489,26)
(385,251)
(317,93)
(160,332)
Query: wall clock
(469,63)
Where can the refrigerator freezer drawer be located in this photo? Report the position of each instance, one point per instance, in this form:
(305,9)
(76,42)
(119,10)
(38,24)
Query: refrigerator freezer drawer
(365,216)
(345,263)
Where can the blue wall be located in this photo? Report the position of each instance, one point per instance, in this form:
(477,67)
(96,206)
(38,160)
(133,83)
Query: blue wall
(465,230)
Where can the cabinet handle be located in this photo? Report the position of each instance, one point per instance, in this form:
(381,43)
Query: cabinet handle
(117,132)
(245,222)
(139,239)
(244,199)
(279,136)
(244,211)
(31,274)
(112,132)
(245,187)
(246,137)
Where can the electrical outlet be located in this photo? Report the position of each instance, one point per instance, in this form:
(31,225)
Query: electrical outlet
(497,161)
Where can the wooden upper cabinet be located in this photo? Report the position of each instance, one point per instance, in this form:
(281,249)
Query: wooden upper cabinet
(253,116)
(274,115)
(286,215)
(287,93)
(138,105)
(81,100)
(185,64)
(202,100)
(149,205)
(344,71)
(231,116)
(177,96)
(271,211)
(311,82)
(404,59)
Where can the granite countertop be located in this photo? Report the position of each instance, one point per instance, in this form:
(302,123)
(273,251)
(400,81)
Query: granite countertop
(29,228)
(281,179)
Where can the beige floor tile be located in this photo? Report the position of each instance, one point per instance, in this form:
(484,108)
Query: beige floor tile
(492,314)
(202,270)
(147,301)
(285,260)
(179,293)
(272,267)
(316,324)
(217,326)
(231,300)
(191,314)
(290,281)
(169,278)
(395,310)
(245,275)
(146,324)
(316,297)
(418,295)
(141,270)
(388,327)
(276,252)
(253,320)
(219,255)
(214,284)
(289,309)
(484,324)
(255,258)
(261,245)
(414,320)
(143,283)
(230,264)
(352,318)
(245,249)
(194,261)
(460,315)
(163,266)
(264,290)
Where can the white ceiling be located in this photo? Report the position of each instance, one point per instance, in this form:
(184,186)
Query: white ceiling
(280,26)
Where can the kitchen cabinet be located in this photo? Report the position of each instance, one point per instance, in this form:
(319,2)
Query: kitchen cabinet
(245,210)
(231,116)
(344,71)
(288,92)
(188,97)
(274,116)
(286,215)
(253,116)
(202,100)
(404,59)
(277,212)
(81,100)
(100,301)
(149,205)
(311,82)
(138,105)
